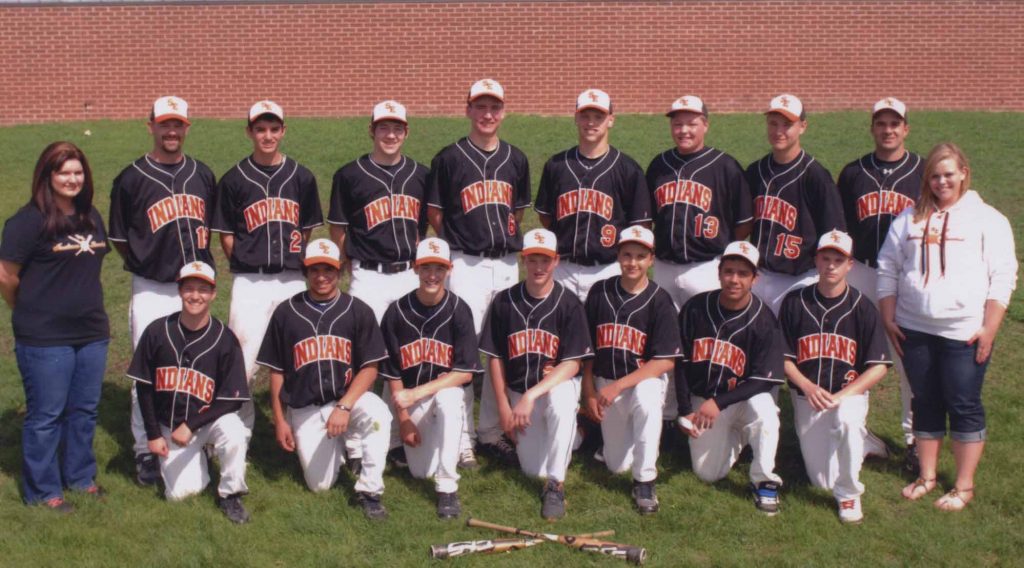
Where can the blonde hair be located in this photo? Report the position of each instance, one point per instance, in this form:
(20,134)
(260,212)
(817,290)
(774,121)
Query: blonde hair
(944,151)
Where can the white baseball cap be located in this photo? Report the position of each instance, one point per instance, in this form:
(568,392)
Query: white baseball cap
(388,110)
(170,108)
(688,103)
(788,106)
(744,250)
(594,98)
(322,251)
(265,107)
(433,250)
(890,103)
(540,241)
(199,270)
(486,88)
(637,234)
(837,241)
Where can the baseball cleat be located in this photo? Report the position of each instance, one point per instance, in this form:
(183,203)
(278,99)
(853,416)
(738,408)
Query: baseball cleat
(233,508)
(874,447)
(645,497)
(373,509)
(850,512)
(467,459)
(910,459)
(147,469)
(448,506)
(552,501)
(355,465)
(766,497)
(503,450)
(396,456)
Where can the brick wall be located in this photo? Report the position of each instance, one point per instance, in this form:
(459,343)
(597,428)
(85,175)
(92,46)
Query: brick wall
(110,61)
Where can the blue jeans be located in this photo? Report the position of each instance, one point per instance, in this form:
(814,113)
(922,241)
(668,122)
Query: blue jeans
(946,381)
(62,392)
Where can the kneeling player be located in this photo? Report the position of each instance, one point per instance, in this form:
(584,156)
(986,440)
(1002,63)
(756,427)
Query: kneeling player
(432,348)
(732,349)
(322,348)
(836,351)
(636,341)
(534,338)
(190,377)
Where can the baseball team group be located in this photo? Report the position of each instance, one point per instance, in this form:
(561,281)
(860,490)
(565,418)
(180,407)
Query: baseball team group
(761,276)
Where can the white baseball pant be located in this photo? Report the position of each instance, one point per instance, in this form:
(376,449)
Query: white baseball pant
(185,469)
(545,447)
(632,428)
(380,290)
(477,280)
(682,282)
(754,421)
(321,457)
(832,443)
(772,287)
(439,419)
(865,279)
(579,279)
(150,301)
(253,300)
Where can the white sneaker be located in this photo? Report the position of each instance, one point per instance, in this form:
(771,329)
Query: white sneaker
(850,512)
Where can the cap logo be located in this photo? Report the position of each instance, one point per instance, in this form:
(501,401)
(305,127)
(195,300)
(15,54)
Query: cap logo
(683,101)
(745,248)
(434,248)
(636,232)
(835,237)
(197,266)
(592,95)
(487,85)
(784,102)
(538,237)
(324,248)
(172,103)
(390,107)
(265,105)
(888,102)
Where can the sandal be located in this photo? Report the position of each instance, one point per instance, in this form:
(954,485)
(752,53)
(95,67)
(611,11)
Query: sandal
(919,488)
(954,500)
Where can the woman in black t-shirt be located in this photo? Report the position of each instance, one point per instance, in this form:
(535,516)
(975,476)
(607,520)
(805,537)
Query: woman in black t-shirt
(51,254)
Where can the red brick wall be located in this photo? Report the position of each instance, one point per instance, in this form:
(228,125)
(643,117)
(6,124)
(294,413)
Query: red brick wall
(83,62)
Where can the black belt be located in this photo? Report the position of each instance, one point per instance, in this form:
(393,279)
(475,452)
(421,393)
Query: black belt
(580,261)
(385,267)
(486,253)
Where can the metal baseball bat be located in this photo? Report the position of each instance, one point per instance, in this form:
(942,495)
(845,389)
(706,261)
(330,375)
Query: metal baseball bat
(453,549)
(587,543)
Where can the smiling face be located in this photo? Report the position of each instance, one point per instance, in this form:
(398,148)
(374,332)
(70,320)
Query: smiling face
(485,115)
(688,131)
(197,296)
(889,131)
(266,135)
(539,269)
(946,182)
(168,136)
(67,180)
(432,276)
(736,277)
(592,125)
(388,137)
(322,281)
(783,133)
(833,266)
(635,260)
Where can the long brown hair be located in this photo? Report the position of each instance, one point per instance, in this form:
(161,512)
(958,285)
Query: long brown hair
(944,151)
(55,222)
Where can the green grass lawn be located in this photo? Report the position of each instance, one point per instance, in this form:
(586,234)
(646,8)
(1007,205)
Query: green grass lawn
(698,524)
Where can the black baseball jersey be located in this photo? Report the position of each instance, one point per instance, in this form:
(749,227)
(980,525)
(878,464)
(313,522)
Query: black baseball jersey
(832,340)
(728,355)
(381,207)
(162,212)
(698,200)
(794,204)
(874,192)
(479,193)
(591,201)
(425,342)
(188,370)
(266,208)
(628,330)
(533,335)
(320,346)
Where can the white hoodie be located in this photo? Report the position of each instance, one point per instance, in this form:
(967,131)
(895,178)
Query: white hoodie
(941,284)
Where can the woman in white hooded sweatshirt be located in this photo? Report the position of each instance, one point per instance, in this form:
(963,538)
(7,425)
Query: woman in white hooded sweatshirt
(945,276)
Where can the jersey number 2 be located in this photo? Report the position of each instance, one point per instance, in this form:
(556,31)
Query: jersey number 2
(296,244)
(788,246)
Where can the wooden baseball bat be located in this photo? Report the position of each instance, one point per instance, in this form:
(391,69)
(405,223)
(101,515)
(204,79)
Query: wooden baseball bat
(453,549)
(587,543)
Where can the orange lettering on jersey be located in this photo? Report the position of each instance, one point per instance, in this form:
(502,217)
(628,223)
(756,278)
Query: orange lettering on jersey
(426,350)
(270,209)
(386,208)
(888,203)
(828,345)
(587,201)
(322,348)
(175,207)
(775,210)
(535,341)
(683,191)
(185,380)
(720,353)
(489,192)
(619,336)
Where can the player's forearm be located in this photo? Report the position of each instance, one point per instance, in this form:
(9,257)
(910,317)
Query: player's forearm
(227,243)
(276,407)
(742,231)
(360,384)
(545,220)
(147,408)
(447,380)
(338,235)
(401,414)
(587,385)
(865,382)
(210,415)
(497,367)
(435,217)
(796,377)
(519,216)
(652,368)
(561,373)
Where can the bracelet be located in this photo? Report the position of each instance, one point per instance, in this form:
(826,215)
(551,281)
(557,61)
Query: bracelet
(341,406)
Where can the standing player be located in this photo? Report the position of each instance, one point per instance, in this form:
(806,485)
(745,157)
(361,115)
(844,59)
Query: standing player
(795,202)
(875,189)
(636,341)
(377,212)
(433,352)
(159,216)
(476,194)
(267,205)
(588,194)
(188,370)
(534,340)
(322,348)
(732,358)
(835,351)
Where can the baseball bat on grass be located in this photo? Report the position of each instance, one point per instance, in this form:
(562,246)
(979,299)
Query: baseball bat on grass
(586,543)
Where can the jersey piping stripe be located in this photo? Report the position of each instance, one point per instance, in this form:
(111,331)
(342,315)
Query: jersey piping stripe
(767,162)
(170,190)
(679,178)
(579,189)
